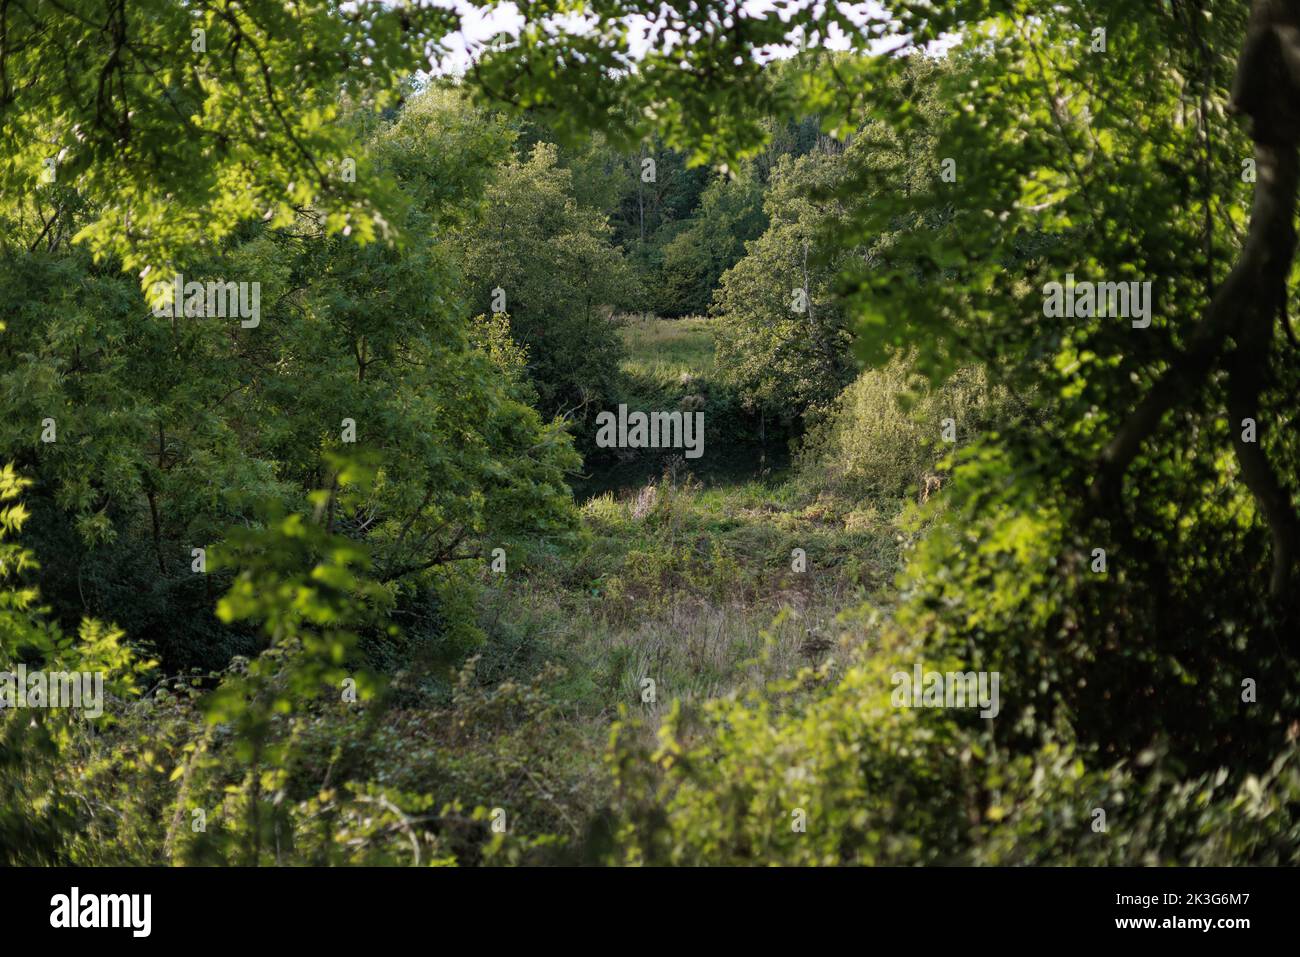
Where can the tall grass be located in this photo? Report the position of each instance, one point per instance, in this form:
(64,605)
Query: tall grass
(668,347)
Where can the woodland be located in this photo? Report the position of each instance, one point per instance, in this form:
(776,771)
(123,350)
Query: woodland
(649,433)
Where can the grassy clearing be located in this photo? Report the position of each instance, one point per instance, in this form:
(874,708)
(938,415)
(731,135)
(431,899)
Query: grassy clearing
(687,583)
(667,348)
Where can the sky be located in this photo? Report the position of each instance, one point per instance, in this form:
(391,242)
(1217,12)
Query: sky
(478,26)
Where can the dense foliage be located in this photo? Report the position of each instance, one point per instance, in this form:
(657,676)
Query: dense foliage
(330,552)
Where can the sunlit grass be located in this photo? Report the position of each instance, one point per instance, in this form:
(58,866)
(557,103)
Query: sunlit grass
(667,348)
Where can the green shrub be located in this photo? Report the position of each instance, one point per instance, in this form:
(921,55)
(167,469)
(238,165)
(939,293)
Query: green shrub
(820,770)
(884,435)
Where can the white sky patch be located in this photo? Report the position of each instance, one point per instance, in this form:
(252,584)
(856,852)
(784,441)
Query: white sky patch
(480,27)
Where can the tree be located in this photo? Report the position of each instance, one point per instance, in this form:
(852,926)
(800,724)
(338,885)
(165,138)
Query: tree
(782,338)
(547,261)
(101,94)
(169,431)
(730,215)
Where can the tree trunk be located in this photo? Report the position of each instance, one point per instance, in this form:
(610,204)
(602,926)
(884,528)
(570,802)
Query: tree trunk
(1245,308)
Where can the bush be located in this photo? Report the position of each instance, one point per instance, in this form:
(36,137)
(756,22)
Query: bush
(823,771)
(883,437)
